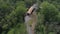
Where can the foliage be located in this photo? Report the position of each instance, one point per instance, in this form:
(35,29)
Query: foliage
(48,18)
(12,16)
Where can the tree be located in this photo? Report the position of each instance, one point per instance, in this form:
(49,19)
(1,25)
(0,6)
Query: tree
(14,18)
(49,13)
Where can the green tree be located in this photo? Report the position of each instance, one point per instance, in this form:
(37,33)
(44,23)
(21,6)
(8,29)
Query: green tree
(14,18)
(48,13)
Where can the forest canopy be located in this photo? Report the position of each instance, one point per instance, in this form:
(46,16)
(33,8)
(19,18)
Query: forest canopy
(12,16)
